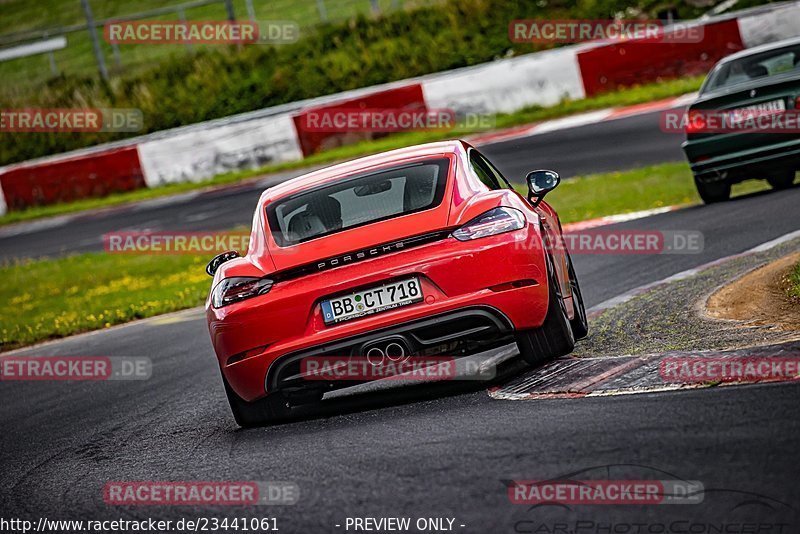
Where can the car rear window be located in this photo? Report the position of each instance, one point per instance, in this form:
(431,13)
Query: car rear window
(358,200)
(771,63)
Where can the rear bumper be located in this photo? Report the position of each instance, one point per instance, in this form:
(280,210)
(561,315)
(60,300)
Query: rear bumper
(502,279)
(462,331)
(743,164)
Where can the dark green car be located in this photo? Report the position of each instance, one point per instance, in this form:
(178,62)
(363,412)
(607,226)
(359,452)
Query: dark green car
(762,81)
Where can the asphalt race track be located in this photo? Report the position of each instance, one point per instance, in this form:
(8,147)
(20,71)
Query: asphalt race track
(615,145)
(430,451)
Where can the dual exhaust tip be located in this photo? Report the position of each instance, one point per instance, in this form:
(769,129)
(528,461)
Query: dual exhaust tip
(393,351)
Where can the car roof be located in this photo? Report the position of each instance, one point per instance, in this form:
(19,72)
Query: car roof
(761,48)
(363,164)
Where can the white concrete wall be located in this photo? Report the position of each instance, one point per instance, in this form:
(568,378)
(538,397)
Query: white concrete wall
(203,153)
(504,86)
(770,26)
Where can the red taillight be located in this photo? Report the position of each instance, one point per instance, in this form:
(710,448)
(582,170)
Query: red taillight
(797,103)
(493,222)
(696,122)
(234,289)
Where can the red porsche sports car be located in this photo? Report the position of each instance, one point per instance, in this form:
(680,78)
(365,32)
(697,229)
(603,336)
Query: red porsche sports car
(421,251)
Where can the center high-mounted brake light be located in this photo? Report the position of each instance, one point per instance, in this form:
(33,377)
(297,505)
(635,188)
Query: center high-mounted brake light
(493,222)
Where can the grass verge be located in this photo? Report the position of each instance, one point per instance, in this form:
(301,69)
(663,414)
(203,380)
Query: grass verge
(656,186)
(625,97)
(793,287)
(55,298)
(60,297)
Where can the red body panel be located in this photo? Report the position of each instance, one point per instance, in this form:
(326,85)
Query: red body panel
(453,274)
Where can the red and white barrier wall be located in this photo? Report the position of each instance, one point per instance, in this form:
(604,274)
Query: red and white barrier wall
(250,141)
(70,177)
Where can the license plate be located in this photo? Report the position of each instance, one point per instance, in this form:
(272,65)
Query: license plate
(772,107)
(372,300)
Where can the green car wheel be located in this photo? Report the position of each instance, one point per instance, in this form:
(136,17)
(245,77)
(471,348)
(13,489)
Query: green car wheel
(712,192)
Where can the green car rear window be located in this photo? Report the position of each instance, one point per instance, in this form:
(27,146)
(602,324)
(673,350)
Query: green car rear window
(747,69)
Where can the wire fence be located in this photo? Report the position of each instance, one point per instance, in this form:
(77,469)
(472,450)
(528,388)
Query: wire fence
(32,54)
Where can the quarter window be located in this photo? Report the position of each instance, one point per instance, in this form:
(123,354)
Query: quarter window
(486,172)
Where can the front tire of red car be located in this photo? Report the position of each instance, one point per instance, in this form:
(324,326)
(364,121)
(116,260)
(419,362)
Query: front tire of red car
(271,409)
(555,337)
(712,192)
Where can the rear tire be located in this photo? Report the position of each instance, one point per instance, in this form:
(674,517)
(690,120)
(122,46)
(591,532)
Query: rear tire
(579,323)
(555,337)
(271,409)
(713,192)
(781,180)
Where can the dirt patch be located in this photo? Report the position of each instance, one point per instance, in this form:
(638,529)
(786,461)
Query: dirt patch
(760,297)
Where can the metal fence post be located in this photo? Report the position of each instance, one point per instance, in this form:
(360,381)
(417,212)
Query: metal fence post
(229,10)
(117,58)
(98,53)
(323,12)
(53,66)
(251,12)
(51,56)
(182,18)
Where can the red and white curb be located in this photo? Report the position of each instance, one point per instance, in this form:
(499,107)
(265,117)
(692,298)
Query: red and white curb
(572,377)
(582,119)
(618,218)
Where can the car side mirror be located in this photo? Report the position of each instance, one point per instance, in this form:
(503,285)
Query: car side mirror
(219,259)
(540,183)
